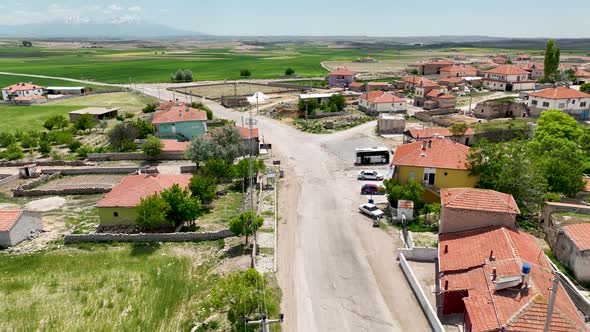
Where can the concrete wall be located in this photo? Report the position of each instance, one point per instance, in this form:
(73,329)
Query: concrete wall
(420,254)
(27,226)
(494,110)
(391,125)
(125,215)
(150,237)
(420,295)
(457,220)
(93,170)
(340,81)
(114,156)
(9,179)
(187,129)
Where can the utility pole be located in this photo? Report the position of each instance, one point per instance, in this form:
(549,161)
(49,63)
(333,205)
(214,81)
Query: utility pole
(264,322)
(251,173)
(552,301)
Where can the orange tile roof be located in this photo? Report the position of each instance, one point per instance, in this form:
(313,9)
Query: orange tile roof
(582,73)
(452,79)
(356,84)
(420,81)
(580,234)
(439,94)
(444,153)
(467,266)
(433,132)
(179,113)
(166,105)
(559,93)
(378,84)
(437,62)
(130,191)
(8,218)
(246,133)
(478,199)
(342,72)
(381,97)
(458,68)
(23,87)
(507,70)
(29,97)
(172,145)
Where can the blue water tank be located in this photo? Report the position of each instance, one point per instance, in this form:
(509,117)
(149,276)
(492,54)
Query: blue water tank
(526,268)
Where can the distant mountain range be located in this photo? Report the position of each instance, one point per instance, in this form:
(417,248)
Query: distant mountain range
(93,30)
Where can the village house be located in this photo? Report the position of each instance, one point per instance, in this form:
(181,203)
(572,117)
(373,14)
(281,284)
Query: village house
(494,109)
(508,78)
(437,163)
(421,89)
(119,206)
(572,102)
(568,232)
(418,135)
(250,140)
(463,209)
(22,90)
(498,279)
(356,86)
(377,86)
(28,100)
(433,67)
(458,71)
(341,78)
(452,82)
(378,102)
(98,113)
(17,226)
(582,77)
(439,98)
(536,69)
(180,122)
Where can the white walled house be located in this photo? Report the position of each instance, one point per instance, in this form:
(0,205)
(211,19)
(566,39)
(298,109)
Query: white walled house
(379,102)
(508,78)
(22,90)
(572,102)
(17,226)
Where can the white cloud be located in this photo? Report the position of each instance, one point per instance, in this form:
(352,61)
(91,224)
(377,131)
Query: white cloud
(126,19)
(134,9)
(77,19)
(115,7)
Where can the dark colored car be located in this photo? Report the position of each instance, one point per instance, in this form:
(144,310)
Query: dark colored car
(371,189)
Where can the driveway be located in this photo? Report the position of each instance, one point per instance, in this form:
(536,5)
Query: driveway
(336,271)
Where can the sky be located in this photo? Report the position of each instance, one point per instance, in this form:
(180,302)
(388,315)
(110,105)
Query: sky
(379,18)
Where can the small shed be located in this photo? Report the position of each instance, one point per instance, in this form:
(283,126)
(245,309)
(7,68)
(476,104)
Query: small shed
(98,113)
(66,90)
(28,171)
(391,124)
(17,226)
(405,208)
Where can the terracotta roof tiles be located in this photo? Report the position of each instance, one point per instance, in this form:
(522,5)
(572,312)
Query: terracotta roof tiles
(247,133)
(342,72)
(8,218)
(179,113)
(508,70)
(478,199)
(559,93)
(381,97)
(172,145)
(434,132)
(443,153)
(23,87)
(579,234)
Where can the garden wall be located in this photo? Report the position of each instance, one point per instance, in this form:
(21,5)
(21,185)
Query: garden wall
(93,170)
(45,163)
(429,116)
(56,192)
(148,237)
(9,179)
(117,156)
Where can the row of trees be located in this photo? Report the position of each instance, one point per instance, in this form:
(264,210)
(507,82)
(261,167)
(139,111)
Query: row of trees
(182,75)
(336,103)
(122,136)
(549,165)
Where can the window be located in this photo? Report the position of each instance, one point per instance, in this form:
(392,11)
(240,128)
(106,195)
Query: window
(583,104)
(545,104)
(412,175)
(534,102)
(562,105)
(115,214)
(446,173)
(573,101)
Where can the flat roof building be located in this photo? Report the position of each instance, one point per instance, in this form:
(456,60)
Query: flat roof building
(98,113)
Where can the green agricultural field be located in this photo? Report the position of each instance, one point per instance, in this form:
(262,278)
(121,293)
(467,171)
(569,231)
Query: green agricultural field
(6,80)
(32,117)
(113,287)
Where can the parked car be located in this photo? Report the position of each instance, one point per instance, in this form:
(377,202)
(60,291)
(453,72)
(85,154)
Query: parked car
(372,189)
(370,175)
(371,210)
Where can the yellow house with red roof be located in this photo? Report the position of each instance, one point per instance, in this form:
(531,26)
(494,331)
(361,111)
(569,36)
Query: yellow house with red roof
(437,163)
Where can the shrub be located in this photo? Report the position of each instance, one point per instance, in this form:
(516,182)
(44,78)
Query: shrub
(56,122)
(202,107)
(152,211)
(144,128)
(44,148)
(13,152)
(153,146)
(85,122)
(127,146)
(29,141)
(60,137)
(149,108)
(121,137)
(128,115)
(203,187)
(74,145)
(7,139)
(289,71)
(84,151)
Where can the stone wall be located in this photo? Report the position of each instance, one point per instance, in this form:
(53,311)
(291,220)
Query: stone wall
(67,191)
(430,116)
(148,237)
(189,169)
(93,170)
(496,109)
(501,135)
(116,156)
(9,179)
(38,181)
(45,163)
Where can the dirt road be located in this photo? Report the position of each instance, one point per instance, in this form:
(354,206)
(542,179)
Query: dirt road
(337,273)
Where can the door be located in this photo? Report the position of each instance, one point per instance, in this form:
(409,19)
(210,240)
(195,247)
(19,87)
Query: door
(431,179)
(509,87)
(173,128)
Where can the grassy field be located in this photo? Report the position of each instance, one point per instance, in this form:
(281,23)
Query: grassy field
(6,80)
(112,288)
(32,117)
(516,124)
(222,210)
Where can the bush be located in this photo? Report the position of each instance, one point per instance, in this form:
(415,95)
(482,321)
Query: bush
(56,122)
(151,211)
(85,122)
(289,71)
(29,141)
(121,137)
(84,151)
(585,87)
(149,108)
(203,187)
(127,146)
(74,145)
(44,148)
(202,107)
(128,115)
(60,137)
(144,128)
(153,146)
(13,152)
(7,139)
(120,117)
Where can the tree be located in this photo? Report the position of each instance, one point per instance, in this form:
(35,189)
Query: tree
(13,152)
(203,187)
(121,137)
(183,207)
(202,107)
(413,192)
(201,149)
(188,75)
(144,128)
(459,129)
(103,124)
(551,62)
(152,211)
(570,74)
(309,105)
(242,168)
(246,224)
(152,147)
(179,76)
(218,170)
(27,43)
(289,71)
(239,294)
(56,122)
(245,73)
(338,100)
(585,87)
(85,122)
(228,142)
(150,108)
(83,151)
(557,124)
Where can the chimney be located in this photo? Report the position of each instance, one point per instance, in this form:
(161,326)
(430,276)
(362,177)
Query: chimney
(492,258)
(446,284)
(423,145)
(430,143)
(494,274)
(446,248)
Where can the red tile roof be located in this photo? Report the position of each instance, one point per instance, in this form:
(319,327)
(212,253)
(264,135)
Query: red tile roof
(478,199)
(452,79)
(435,132)
(437,62)
(246,133)
(404,204)
(8,218)
(559,93)
(179,113)
(23,87)
(467,266)
(172,145)
(507,70)
(356,84)
(381,97)
(130,191)
(420,81)
(580,234)
(458,68)
(582,73)
(444,153)
(166,105)
(342,72)
(378,84)
(439,94)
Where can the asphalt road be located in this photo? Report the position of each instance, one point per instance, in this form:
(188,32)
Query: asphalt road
(336,271)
